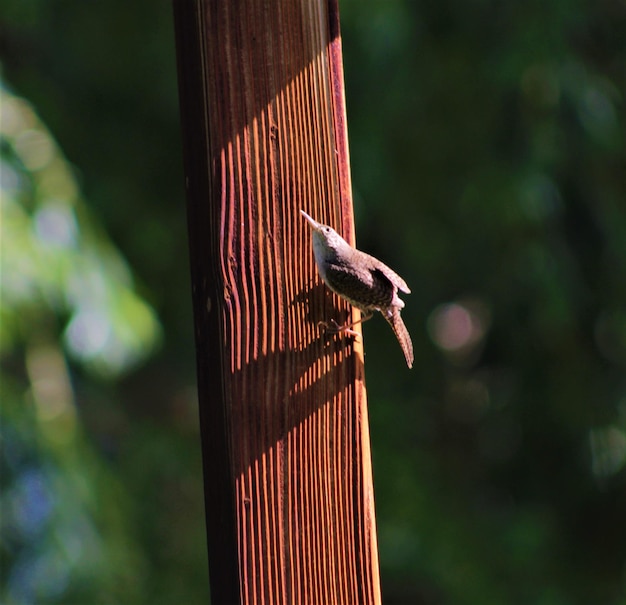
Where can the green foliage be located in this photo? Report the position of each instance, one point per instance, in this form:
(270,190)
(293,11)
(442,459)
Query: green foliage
(65,516)
(56,263)
(109,454)
(489,173)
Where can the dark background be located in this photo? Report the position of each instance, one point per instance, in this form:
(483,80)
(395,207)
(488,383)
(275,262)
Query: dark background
(487,147)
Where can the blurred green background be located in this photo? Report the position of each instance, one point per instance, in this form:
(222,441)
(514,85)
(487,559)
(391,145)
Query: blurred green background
(488,159)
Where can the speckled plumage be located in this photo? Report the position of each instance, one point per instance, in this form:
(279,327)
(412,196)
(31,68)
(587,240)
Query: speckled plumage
(361,279)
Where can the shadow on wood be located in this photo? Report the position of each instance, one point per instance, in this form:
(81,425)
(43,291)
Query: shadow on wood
(289,497)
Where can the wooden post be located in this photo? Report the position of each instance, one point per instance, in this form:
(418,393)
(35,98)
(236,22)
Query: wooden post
(289,497)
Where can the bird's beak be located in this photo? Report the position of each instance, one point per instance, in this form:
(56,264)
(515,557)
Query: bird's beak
(314,224)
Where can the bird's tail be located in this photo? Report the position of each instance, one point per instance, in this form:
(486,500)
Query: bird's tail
(402,334)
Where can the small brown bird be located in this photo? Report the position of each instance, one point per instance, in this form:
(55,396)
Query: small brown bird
(362,280)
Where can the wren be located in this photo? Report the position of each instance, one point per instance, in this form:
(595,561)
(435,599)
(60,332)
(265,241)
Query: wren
(362,280)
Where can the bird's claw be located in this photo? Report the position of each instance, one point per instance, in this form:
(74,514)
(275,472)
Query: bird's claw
(334,328)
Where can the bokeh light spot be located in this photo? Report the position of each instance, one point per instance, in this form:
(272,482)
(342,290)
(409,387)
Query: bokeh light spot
(608,450)
(458,325)
(55,225)
(88,332)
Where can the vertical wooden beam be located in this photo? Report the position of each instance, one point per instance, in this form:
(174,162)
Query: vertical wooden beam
(289,497)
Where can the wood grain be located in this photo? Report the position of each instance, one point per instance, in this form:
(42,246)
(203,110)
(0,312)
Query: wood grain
(290,512)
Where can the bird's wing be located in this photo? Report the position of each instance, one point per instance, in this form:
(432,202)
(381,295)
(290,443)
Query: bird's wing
(391,275)
(363,286)
(352,279)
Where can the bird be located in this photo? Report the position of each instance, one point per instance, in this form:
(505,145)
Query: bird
(364,281)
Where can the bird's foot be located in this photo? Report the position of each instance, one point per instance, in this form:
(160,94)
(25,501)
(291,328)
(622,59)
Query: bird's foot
(334,328)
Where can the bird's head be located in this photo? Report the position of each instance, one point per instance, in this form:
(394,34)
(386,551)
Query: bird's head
(327,243)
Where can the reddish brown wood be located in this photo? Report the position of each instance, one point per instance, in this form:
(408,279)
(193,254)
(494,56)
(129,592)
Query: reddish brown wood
(290,512)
